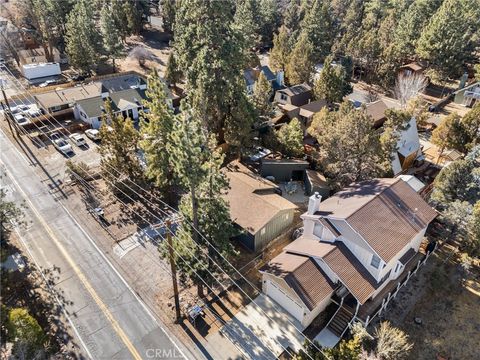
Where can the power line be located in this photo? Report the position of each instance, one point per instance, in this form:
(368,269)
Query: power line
(234,282)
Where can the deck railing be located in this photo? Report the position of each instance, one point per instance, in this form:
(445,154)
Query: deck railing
(392,294)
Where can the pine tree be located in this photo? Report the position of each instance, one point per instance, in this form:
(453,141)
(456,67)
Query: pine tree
(450,134)
(300,65)
(318,27)
(156,129)
(411,25)
(211,57)
(330,84)
(82,37)
(110,35)
(168,14)
(262,94)
(293,17)
(281,50)
(172,73)
(119,150)
(270,20)
(120,18)
(471,127)
(351,149)
(248,22)
(197,168)
(448,41)
(290,138)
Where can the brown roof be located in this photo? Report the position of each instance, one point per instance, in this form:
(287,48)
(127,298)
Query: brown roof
(387,213)
(377,111)
(312,108)
(68,95)
(304,277)
(253,201)
(317,178)
(413,66)
(351,272)
(309,247)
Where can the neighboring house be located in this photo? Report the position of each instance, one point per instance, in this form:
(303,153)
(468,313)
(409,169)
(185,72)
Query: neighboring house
(469,95)
(37,55)
(377,110)
(128,103)
(35,71)
(251,77)
(65,98)
(408,145)
(256,207)
(354,244)
(305,112)
(296,95)
(411,68)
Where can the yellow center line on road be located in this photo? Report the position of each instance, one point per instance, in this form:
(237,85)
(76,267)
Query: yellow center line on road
(116,327)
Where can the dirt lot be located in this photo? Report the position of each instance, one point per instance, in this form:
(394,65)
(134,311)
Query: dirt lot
(447,300)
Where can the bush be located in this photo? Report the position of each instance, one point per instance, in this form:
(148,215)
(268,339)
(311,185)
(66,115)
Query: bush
(25,332)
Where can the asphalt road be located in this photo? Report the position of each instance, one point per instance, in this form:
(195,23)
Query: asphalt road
(107,317)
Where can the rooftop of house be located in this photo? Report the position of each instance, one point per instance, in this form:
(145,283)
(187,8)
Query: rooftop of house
(312,108)
(316,178)
(253,200)
(378,207)
(121,100)
(70,95)
(62,96)
(251,75)
(377,110)
(36,55)
(335,255)
(296,89)
(303,275)
(414,66)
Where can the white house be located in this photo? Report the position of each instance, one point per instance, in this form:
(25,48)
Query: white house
(353,245)
(40,70)
(127,102)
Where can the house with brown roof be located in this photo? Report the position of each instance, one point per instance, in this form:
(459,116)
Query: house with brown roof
(296,95)
(354,244)
(256,207)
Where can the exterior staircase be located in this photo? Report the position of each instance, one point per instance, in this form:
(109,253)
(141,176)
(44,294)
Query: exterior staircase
(340,321)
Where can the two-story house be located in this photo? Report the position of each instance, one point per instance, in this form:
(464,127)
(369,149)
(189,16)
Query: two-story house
(251,77)
(354,244)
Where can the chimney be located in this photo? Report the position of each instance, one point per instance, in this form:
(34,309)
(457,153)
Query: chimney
(314,203)
(279,79)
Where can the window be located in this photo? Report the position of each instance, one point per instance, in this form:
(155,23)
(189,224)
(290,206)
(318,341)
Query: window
(287,216)
(375,261)
(262,232)
(283,97)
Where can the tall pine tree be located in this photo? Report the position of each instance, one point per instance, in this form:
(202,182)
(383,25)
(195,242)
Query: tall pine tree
(301,62)
(110,35)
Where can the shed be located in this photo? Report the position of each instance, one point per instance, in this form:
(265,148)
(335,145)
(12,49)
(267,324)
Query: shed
(284,169)
(316,182)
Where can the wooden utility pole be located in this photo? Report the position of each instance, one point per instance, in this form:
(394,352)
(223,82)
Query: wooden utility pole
(9,115)
(173,269)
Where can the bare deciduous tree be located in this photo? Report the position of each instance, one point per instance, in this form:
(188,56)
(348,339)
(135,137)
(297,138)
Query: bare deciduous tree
(409,86)
(392,343)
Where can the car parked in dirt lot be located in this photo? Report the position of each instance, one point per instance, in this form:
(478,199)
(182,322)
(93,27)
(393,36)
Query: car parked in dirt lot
(61,144)
(93,134)
(78,139)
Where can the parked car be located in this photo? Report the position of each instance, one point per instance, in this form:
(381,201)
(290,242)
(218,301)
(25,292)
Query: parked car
(20,119)
(78,139)
(34,111)
(93,134)
(61,144)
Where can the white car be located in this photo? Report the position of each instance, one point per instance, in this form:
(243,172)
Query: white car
(61,144)
(20,119)
(93,134)
(78,139)
(34,111)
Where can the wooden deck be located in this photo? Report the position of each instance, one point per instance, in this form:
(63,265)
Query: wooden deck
(373,305)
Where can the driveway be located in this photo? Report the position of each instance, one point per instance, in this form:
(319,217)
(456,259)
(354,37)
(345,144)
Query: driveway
(262,330)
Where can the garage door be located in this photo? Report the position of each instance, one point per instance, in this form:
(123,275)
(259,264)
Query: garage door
(285,301)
